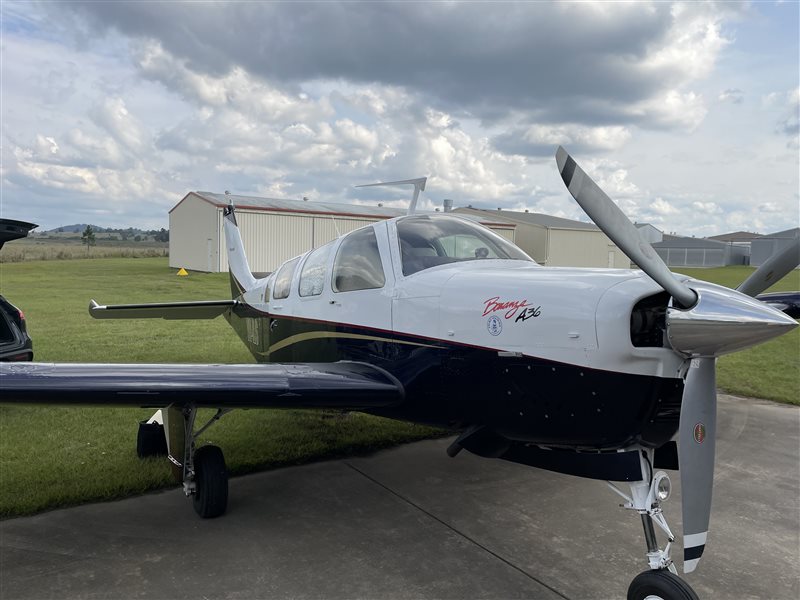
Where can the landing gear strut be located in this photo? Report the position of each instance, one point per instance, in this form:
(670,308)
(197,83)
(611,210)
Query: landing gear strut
(661,581)
(201,470)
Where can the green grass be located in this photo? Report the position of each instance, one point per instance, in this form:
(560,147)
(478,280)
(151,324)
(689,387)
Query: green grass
(771,370)
(55,456)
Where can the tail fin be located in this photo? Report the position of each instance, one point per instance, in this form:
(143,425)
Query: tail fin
(241,277)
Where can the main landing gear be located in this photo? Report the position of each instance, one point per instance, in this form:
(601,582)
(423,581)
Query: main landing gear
(202,471)
(661,581)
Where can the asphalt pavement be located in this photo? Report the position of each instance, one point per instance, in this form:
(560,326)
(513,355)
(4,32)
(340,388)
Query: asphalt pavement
(412,523)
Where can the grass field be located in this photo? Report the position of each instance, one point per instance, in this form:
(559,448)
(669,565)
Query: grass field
(771,370)
(57,248)
(54,456)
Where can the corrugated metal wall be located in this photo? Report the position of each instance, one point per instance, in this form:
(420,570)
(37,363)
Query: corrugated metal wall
(693,257)
(763,248)
(504,233)
(271,238)
(584,248)
(329,228)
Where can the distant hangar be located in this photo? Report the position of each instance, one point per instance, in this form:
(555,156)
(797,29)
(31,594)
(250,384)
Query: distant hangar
(273,229)
(557,242)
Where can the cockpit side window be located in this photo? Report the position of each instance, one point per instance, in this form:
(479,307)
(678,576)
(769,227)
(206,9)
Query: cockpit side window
(312,277)
(358,263)
(426,242)
(283,280)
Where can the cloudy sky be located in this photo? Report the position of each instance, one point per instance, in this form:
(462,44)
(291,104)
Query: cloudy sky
(686,114)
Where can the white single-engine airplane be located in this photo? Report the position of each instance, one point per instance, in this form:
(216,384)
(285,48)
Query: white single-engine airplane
(435,319)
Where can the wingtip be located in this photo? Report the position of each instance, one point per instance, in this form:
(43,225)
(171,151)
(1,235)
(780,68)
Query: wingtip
(94,308)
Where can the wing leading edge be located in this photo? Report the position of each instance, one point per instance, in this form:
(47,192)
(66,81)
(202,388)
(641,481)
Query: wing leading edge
(348,385)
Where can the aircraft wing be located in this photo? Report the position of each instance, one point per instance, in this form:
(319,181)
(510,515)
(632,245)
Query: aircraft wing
(350,385)
(204,309)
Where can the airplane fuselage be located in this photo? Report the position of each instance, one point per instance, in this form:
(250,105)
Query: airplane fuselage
(549,356)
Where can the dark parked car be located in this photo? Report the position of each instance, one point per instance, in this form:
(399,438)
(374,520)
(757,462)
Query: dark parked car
(788,302)
(15,343)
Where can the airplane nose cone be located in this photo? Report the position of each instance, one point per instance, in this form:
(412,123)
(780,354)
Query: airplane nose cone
(724,321)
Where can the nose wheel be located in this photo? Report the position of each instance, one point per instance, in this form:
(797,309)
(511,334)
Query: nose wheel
(660,585)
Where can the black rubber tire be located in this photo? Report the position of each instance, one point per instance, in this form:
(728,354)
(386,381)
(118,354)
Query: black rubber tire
(210,498)
(661,584)
(150,441)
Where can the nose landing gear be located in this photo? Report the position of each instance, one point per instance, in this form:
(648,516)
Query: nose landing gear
(661,581)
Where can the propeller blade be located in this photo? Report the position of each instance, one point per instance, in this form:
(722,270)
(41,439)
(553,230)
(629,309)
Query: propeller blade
(698,429)
(772,270)
(618,227)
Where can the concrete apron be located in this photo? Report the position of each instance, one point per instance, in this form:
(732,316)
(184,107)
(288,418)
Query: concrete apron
(413,523)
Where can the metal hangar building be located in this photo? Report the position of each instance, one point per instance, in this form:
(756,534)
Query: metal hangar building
(557,242)
(273,230)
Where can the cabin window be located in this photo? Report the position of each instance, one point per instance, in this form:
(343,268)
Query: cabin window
(313,274)
(283,281)
(429,241)
(358,263)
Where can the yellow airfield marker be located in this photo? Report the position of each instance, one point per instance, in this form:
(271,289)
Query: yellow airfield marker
(182,272)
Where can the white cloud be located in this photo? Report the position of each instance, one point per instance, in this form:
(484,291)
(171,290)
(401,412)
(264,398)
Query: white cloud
(732,95)
(113,116)
(139,117)
(709,208)
(692,44)
(662,207)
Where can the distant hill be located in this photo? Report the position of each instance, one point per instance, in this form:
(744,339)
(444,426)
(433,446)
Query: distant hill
(115,233)
(77,228)
(81,227)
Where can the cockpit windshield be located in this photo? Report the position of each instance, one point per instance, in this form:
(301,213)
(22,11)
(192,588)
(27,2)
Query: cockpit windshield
(429,241)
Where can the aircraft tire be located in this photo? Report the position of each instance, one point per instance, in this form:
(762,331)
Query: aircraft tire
(660,584)
(150,440)
(210,498)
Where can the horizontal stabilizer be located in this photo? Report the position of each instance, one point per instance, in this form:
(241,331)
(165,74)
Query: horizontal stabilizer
(349,385)
(205,309)
(418,183)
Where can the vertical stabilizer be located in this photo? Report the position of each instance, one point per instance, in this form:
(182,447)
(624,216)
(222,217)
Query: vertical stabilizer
(241,276)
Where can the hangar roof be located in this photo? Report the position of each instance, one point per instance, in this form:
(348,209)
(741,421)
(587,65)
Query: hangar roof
(672,241)
(736,236)
(530,218)
(788,234)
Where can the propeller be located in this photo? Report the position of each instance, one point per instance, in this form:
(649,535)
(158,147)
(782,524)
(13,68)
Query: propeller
(618,227)
(702,323)
(696,444)
(773,269)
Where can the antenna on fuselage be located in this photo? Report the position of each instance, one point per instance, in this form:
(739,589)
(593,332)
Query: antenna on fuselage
(418,183)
